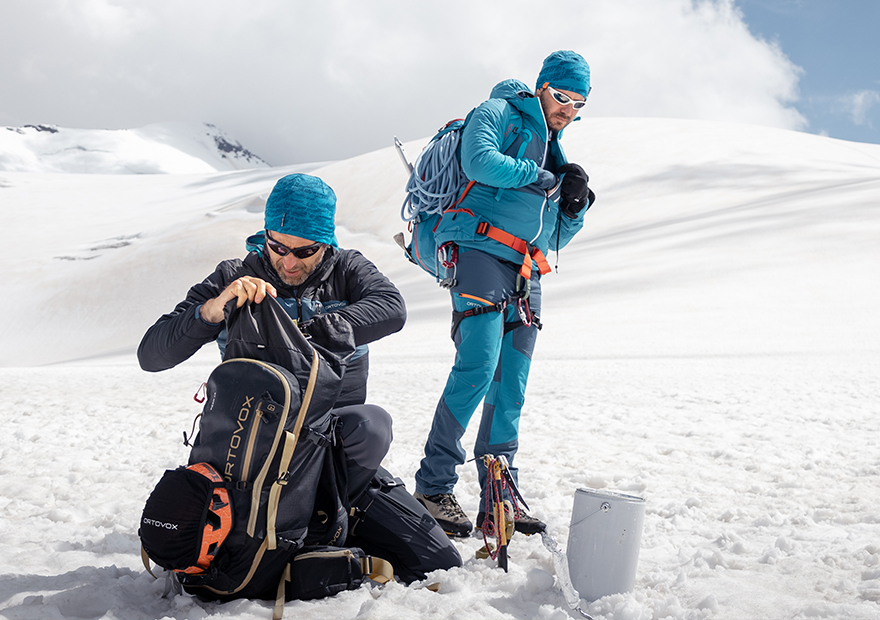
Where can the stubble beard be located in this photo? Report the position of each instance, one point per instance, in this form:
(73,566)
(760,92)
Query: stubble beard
(293,281)
(558,122)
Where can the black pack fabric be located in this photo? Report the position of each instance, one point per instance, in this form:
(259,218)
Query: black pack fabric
(319,571)
(266,332)
(267,428)
(390,523)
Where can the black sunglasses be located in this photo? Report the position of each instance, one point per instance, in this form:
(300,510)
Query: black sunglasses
(303,251)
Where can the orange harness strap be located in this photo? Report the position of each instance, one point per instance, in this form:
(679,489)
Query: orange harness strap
(517,245)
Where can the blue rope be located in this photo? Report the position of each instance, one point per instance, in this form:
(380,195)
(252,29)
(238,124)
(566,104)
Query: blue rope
(436,179)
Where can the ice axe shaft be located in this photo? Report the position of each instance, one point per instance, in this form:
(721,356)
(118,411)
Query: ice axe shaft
(500,519)
(505,471)
(402,153)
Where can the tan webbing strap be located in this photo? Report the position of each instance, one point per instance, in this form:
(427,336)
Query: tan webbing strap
(280,595)
(264,471)
(377,569)
(275,491)
(290,441)
(307,397)
(146,560)
(247,579)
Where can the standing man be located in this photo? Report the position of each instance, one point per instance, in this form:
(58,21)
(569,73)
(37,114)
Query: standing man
(524,200)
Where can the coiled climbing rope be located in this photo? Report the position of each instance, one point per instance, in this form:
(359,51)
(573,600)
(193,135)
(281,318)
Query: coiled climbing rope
(436,179)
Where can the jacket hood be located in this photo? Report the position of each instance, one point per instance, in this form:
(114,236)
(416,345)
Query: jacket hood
(519,96)
(509,89)
(523,98)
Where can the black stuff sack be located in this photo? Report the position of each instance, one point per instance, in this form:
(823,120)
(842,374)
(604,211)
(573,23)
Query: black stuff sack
(186,519)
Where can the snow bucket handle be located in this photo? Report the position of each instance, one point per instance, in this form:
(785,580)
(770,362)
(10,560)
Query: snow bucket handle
(605,507)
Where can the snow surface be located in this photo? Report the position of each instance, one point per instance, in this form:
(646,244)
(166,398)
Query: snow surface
(711,344)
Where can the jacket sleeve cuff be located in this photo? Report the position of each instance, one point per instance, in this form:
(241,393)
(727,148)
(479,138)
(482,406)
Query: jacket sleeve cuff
(546,179)
(199,317)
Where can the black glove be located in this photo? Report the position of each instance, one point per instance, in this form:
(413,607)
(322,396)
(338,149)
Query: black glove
(576,195)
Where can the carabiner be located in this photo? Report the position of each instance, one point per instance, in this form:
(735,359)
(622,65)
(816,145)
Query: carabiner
(525,313)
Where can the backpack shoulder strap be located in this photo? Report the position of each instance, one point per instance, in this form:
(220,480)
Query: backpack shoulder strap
(290,441)
(512,135)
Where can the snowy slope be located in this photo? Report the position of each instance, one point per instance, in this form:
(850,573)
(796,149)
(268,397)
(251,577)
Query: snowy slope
(711,343)
(179,148)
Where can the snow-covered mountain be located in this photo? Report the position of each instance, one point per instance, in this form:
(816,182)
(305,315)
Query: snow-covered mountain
(170,148)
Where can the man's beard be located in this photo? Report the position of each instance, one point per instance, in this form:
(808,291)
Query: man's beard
(300,277)
(558,123)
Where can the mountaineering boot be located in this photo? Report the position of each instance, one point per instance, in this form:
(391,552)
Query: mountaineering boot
(446,511)
(524,524)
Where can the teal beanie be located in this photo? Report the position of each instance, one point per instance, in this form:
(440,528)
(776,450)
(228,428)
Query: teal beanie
(303,206)
(565,70)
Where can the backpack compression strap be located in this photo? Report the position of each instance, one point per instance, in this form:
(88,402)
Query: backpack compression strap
(146,560)
(525,248)
(379,570)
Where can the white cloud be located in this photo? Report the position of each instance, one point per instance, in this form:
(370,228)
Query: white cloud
(103,19)
(859,104)
(298,81)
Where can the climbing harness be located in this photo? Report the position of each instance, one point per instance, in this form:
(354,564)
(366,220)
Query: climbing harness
(530,253)
(520,299)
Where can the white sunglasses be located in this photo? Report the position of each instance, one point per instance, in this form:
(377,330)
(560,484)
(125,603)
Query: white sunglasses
(563,99)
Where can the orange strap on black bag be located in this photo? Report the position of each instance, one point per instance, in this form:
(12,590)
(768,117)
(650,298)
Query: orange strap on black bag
(186,519)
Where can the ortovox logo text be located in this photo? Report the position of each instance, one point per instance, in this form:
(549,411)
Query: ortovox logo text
(335,536)
(235,442)
(154,523)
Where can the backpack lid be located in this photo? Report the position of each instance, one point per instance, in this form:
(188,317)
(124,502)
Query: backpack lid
(186,519)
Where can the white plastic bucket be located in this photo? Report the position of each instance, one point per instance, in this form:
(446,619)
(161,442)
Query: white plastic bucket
(603,542)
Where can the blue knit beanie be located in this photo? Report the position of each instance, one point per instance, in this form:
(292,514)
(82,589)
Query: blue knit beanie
(303,206)
(565,70)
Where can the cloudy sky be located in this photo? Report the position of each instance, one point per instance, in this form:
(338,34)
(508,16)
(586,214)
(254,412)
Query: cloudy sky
(299,81)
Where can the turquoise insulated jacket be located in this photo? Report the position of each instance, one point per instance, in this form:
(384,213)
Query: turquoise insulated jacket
(505,194)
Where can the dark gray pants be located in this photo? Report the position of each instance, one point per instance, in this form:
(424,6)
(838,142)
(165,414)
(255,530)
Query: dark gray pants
(366,437)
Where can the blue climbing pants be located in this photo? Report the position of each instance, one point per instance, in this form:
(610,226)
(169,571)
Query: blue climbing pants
(493,355)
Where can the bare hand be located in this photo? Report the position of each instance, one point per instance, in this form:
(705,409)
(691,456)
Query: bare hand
(246,288)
